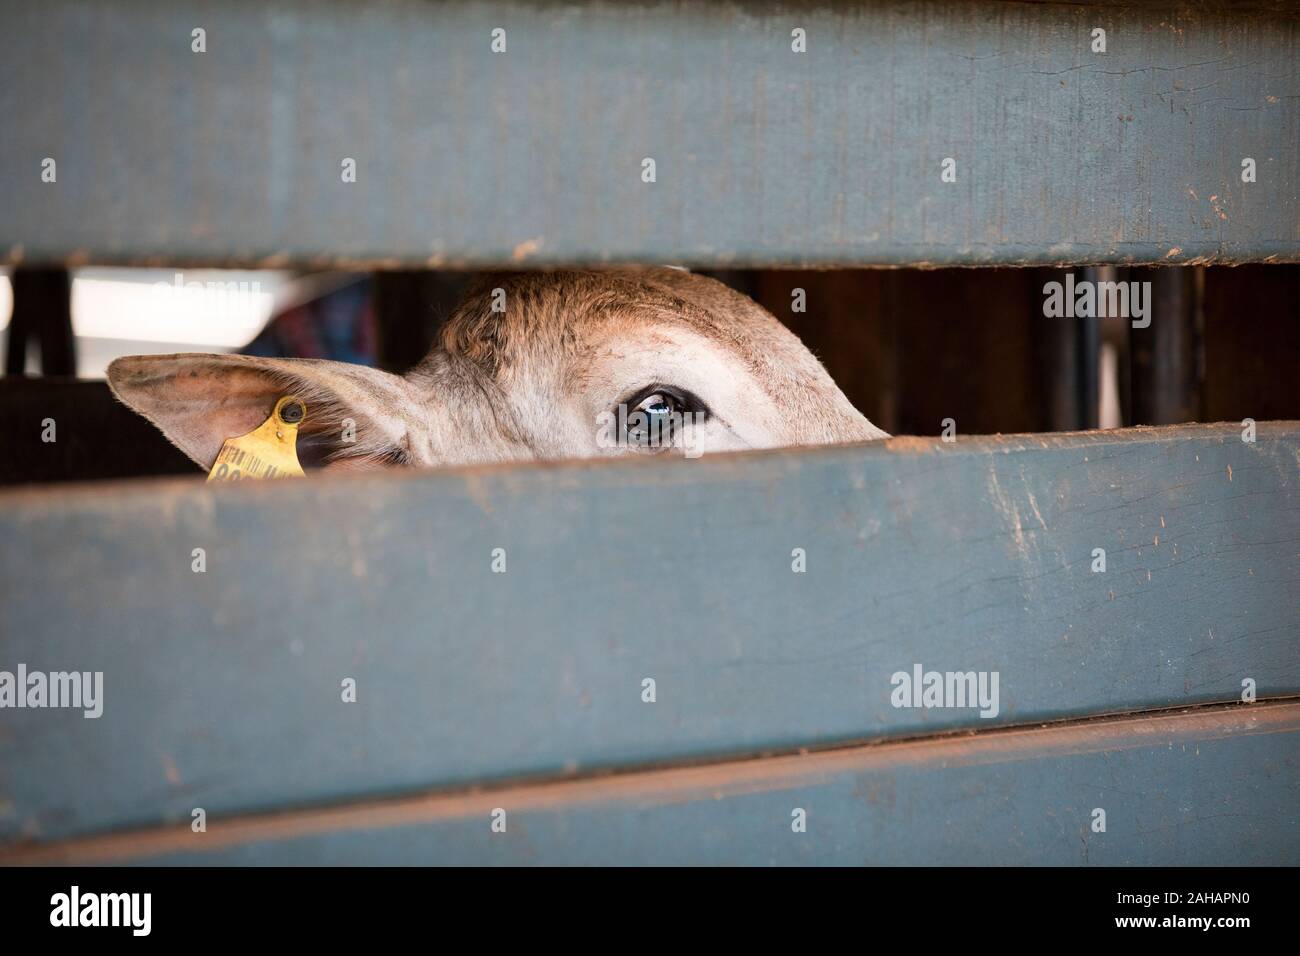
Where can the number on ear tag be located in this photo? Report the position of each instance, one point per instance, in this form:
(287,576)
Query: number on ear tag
(269,451)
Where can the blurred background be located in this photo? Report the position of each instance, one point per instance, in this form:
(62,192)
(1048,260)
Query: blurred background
(909,347)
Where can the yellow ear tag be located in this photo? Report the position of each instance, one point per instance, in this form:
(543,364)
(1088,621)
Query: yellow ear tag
(268,451)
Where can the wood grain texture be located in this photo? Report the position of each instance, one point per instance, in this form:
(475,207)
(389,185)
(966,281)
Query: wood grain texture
(1207,786)
(533,156)
(222,689)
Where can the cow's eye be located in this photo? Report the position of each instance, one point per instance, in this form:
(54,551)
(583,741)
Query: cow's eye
(657,414)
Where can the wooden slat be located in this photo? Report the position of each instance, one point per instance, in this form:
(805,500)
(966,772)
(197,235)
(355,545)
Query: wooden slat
(222,689)
(764,155)
(1213,786)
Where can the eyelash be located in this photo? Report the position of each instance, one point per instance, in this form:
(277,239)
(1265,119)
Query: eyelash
(687,401)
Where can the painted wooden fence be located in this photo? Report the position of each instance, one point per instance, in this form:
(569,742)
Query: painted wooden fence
(662,662)
(763,152)
(500,626)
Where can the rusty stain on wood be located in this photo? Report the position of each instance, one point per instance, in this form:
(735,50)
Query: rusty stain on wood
(885,521)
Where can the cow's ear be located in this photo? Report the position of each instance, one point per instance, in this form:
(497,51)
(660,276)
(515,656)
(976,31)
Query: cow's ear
(198,401)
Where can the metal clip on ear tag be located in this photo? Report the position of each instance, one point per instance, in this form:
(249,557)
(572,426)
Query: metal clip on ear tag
(269,451)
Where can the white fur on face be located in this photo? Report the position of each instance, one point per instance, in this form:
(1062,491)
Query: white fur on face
(741,413)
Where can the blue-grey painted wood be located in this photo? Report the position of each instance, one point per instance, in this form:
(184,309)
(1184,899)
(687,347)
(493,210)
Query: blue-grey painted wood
(763,155)
(222,689)
(1209,787)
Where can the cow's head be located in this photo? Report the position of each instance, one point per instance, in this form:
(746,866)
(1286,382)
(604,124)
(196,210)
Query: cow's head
(544,365)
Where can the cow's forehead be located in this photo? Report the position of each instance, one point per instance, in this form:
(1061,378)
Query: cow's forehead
(526,318)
